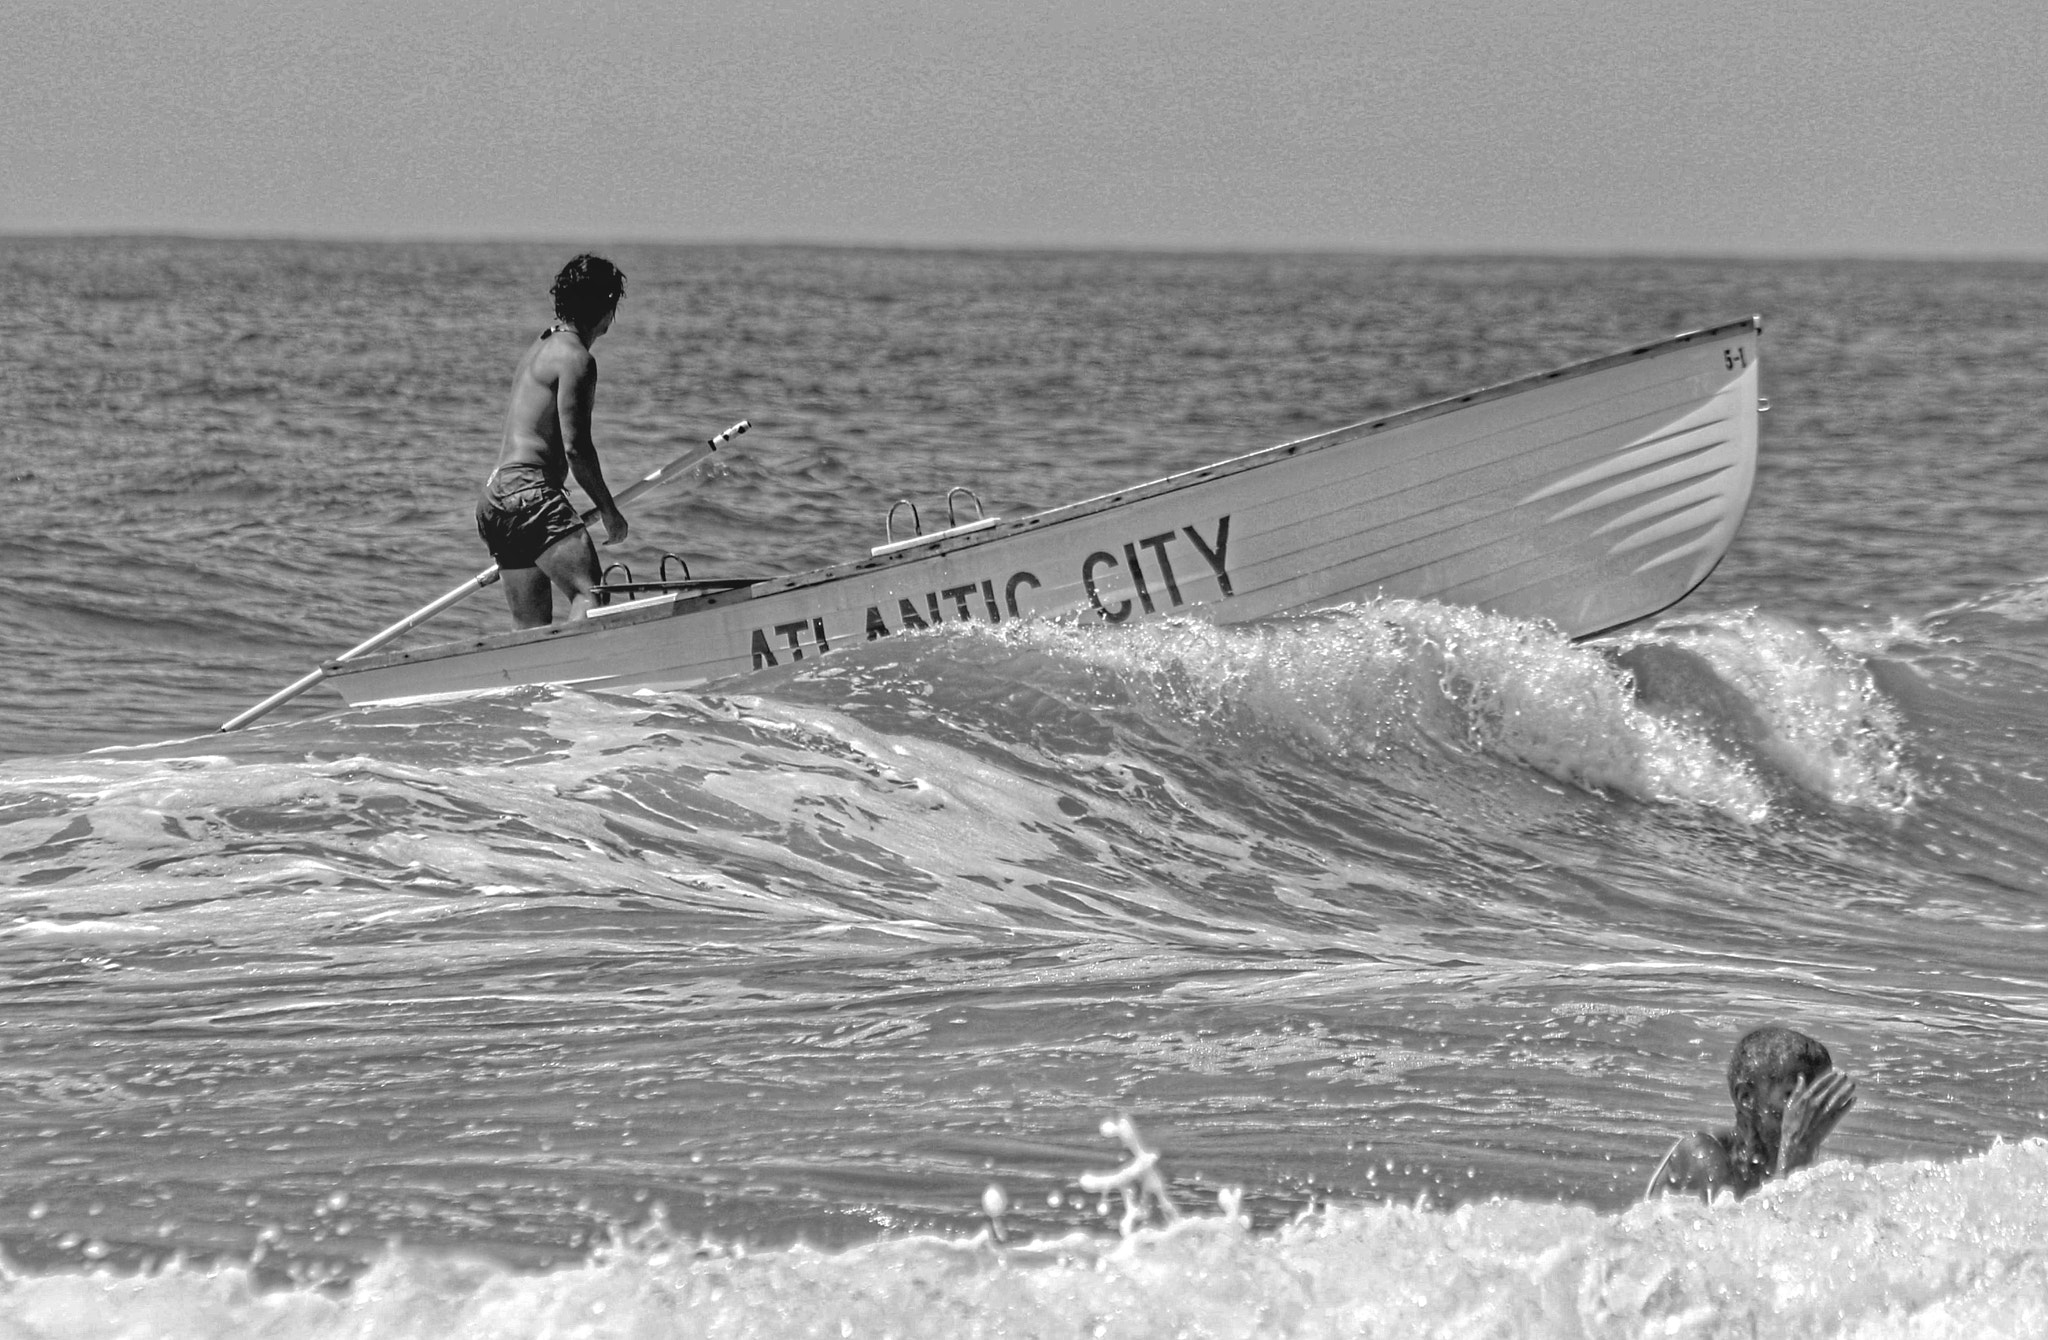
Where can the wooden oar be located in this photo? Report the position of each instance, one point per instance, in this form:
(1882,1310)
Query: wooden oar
(476,583)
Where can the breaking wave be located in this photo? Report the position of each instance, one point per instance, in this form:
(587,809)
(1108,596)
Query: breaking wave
(1731,714)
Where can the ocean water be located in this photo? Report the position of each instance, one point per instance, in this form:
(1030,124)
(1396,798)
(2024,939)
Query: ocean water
(1408,936)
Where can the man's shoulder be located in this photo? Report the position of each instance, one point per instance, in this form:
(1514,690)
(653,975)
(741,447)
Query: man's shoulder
(1710,1146)
(1699,1163)
(563,356)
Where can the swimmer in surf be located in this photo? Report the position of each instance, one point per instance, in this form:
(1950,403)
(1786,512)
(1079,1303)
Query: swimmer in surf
(524,515)
(1788,1097)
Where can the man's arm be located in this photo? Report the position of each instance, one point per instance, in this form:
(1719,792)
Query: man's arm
(575,392)
(1697,1165)
(1810,1117)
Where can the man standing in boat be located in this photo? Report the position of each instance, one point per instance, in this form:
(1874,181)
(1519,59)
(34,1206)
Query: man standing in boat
(524,516)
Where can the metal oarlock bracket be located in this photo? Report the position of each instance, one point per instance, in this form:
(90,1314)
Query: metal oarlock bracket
(952,519)
(889,521)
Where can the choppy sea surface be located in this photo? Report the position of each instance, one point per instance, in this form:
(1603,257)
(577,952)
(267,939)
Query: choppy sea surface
(1408,936)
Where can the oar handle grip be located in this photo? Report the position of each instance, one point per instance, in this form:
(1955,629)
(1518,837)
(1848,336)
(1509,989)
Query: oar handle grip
(674,467)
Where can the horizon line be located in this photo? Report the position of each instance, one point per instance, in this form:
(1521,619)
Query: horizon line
(1559,253)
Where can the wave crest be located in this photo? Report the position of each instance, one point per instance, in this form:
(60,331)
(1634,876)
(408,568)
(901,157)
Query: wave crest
(1720,715)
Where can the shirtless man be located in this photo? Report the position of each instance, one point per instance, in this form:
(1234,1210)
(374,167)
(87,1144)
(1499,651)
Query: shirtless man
(1788,1097)
(524,515)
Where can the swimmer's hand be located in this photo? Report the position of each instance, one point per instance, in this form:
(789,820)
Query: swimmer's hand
(614,526)
(1810,1116)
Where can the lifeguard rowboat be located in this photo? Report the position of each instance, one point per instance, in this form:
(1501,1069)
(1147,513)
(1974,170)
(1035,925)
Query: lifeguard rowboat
(1591,497)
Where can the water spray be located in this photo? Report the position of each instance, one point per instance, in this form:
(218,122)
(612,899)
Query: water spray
(1137,1181)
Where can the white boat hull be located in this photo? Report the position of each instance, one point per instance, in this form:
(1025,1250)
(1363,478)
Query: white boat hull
(1590,497)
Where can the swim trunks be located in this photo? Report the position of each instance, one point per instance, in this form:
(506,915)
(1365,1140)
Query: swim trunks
(521,513)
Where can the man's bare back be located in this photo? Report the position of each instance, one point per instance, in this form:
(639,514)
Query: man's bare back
(524,516)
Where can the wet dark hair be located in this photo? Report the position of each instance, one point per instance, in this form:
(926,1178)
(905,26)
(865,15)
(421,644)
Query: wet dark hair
(1772,1051)
(587,288)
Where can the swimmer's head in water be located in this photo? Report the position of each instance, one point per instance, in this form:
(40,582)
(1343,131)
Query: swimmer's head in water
(1768,1064)
(588,288)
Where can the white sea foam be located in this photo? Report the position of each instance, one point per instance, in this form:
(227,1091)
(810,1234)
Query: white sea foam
(1394,674)
(1921,1250)
(1820,718)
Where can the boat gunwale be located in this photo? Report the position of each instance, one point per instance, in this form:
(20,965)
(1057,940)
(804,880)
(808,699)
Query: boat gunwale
(942,545)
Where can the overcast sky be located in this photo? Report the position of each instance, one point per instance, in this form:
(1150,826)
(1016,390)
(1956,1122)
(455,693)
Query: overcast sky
(1793,127)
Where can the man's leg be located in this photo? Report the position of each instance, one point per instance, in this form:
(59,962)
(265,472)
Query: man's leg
(530,595)
(571,562)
